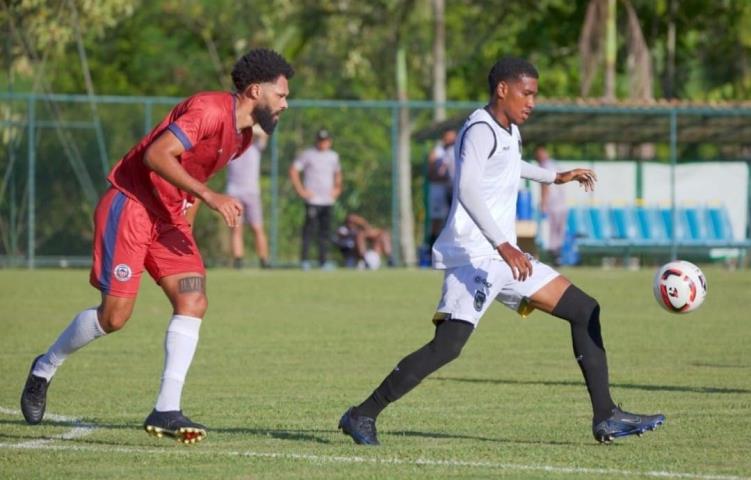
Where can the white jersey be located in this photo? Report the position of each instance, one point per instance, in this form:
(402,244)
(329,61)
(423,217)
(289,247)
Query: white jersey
(319,169)
(488,167)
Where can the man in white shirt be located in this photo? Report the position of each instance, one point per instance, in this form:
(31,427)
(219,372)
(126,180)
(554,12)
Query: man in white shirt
(320,187)
(477,249)
(553,206)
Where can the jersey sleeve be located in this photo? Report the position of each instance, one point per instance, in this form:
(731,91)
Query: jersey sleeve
(537,174)
(200,119)
(475,148)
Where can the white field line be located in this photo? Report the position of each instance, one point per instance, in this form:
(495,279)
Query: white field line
(81,430)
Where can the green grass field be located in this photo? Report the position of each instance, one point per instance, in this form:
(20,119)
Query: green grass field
(283,353)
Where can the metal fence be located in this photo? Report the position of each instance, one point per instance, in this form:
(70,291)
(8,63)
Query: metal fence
(57,149)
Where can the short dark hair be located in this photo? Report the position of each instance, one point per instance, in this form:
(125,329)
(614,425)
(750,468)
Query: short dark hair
(509,68)
(258,66)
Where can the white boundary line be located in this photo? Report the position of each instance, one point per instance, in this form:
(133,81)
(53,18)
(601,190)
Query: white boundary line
(80,430)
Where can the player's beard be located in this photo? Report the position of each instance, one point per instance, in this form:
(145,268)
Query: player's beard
(265,118)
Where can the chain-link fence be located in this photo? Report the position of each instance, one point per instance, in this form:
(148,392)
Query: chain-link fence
(55,152)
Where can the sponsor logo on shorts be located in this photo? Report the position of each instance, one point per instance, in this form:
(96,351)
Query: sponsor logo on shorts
(483,281)
(480,298)
(123,272)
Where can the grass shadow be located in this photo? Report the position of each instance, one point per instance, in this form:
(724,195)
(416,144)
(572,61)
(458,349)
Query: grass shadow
(719,365)
(566,383)
(452,436)
(309,435)
(280,434)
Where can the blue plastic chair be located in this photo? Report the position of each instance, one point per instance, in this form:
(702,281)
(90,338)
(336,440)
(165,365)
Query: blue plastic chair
(643,226)
(694,227)
(717,223)
(619,224)
(597,226)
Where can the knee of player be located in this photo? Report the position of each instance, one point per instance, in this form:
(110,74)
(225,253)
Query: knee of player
(589,312)
(194,305)
(444,353)
(447,351)
(576,306)
(113,320)
(595,309)
(452,351)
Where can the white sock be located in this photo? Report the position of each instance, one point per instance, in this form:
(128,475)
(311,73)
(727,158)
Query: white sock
(83,330)
(180,344)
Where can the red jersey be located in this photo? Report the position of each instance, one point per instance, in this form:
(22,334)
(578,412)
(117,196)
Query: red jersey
(205,125)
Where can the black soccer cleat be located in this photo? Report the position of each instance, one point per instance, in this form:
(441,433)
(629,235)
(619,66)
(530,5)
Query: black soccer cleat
(621,424)
(34,396)
(175,425)
(362,429)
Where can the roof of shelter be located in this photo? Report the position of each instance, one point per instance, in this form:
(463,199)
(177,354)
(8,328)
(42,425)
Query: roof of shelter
(599,121)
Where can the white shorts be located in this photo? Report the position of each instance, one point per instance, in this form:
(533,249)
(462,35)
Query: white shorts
(252,207)
(469,290)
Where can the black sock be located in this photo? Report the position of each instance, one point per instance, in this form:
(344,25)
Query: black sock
(583,313)
(450,337)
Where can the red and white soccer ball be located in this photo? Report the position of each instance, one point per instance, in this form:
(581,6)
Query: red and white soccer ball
(680,287)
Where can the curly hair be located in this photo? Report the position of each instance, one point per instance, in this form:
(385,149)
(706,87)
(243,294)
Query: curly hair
(260,65)
(510,68)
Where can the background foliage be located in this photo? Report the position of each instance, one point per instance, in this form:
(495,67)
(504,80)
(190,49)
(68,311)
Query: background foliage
(341,49)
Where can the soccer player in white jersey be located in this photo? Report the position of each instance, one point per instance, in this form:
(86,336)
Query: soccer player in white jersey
(477,251)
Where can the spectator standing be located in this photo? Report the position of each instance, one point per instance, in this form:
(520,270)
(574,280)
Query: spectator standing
(243,183)
(320,186)
(553,207)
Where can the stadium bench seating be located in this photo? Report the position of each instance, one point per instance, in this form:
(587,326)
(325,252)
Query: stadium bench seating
(631,230)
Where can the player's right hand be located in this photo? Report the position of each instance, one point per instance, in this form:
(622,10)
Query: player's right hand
(520,265)
(228,207)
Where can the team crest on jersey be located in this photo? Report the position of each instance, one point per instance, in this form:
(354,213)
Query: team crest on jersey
(123,272)
(480,298)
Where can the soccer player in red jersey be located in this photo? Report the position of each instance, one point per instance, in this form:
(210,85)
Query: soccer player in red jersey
(141,224)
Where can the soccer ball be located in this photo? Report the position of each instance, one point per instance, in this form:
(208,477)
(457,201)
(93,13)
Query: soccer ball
(680,286)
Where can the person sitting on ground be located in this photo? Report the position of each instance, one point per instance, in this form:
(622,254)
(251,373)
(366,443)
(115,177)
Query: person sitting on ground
(360,241)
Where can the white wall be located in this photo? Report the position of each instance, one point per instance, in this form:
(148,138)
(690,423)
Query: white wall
(711,183)
(616,184)
(705,183)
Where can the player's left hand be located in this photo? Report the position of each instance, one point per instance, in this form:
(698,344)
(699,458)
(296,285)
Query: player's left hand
(229,207)
(584,176)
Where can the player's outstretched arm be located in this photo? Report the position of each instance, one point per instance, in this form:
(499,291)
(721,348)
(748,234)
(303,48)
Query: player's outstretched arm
(584,176)
(162,158)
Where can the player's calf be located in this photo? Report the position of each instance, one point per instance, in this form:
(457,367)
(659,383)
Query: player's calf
(450,337)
